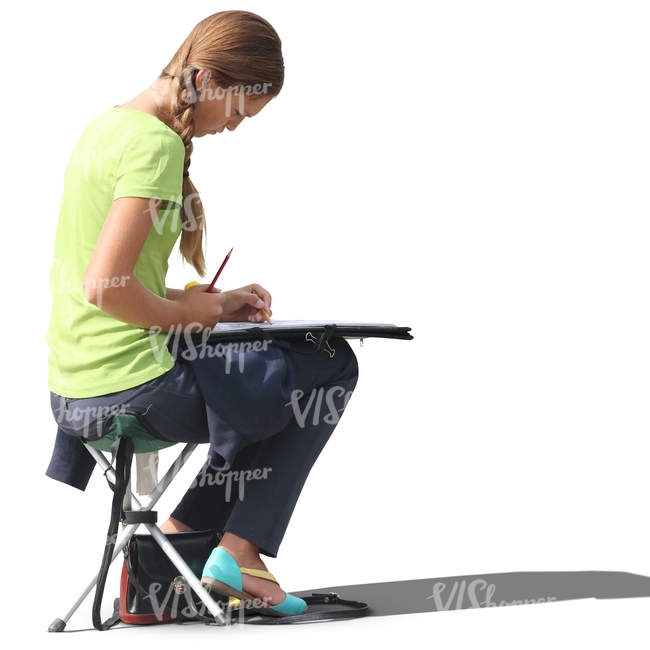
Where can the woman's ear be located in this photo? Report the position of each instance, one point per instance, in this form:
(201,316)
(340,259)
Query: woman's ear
(203,78)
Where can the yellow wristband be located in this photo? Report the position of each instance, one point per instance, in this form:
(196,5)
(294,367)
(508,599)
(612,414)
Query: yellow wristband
(190,284)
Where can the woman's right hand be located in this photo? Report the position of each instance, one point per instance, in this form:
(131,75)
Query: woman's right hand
(201,307)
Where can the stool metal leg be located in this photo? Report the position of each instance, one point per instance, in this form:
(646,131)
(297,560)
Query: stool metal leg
(221,618)
(123,538)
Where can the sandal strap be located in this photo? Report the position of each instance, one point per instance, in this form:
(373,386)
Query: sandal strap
(258,573)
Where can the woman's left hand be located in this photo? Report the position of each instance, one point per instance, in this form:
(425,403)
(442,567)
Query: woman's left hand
(244,304)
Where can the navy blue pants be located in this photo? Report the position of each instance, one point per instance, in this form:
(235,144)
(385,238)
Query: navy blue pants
(266,414)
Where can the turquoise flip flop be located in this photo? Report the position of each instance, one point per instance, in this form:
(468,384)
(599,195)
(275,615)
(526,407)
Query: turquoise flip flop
(222,574)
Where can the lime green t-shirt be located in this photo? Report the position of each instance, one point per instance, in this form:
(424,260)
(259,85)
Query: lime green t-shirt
(122,153)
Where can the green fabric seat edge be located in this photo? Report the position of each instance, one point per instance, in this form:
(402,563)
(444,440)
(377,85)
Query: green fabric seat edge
(124,424)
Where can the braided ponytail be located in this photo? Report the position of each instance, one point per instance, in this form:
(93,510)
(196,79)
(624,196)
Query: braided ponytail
(183,105)
(237,48)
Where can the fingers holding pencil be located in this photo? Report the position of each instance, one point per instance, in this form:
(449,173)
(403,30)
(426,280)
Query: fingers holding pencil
(237,303)
(246,304)
(263,310)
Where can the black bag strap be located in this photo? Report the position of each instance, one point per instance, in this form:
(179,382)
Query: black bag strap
(357,610)
(123,458)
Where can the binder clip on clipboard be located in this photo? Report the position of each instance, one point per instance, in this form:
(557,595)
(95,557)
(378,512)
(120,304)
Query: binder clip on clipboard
(322,342)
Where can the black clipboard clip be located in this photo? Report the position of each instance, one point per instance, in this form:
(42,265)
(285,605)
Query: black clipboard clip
(322,342)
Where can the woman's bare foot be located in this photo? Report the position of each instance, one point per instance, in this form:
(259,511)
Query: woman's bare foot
(248,555)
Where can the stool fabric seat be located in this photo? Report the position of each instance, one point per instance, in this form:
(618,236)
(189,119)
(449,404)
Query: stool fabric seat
(127,425)
(145,446)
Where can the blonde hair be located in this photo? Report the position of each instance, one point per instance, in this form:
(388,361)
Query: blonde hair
(238,49)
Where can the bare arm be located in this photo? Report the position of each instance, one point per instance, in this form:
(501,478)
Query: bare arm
(110,283)
(172,294)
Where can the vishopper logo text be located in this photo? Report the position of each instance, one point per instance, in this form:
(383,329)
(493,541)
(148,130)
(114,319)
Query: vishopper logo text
(480,594)
(91,416)
(161,211)
(318,399)
(180,342)
(181,604)
(212,90)
(61,282)
(220,478)
(95,158)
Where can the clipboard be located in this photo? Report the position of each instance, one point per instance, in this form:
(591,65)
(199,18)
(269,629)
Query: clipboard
(317,332)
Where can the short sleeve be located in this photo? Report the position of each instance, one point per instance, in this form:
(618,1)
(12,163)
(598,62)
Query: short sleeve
(151,166)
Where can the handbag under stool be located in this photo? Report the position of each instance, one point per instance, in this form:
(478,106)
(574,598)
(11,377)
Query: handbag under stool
(151,591)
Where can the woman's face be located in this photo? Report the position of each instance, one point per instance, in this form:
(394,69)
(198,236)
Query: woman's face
(219,108)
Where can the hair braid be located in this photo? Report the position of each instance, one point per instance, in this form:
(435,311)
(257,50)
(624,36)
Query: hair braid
(182,114)
(237,48)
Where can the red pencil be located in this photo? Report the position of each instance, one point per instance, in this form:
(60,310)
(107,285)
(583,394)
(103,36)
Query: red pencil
(216,277)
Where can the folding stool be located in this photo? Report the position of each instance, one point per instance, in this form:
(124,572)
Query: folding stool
(123,426)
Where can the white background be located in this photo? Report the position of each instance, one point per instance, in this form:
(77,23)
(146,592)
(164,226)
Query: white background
(477,171)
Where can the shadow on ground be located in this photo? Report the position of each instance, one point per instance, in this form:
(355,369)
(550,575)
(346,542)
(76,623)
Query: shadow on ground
(490,590)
